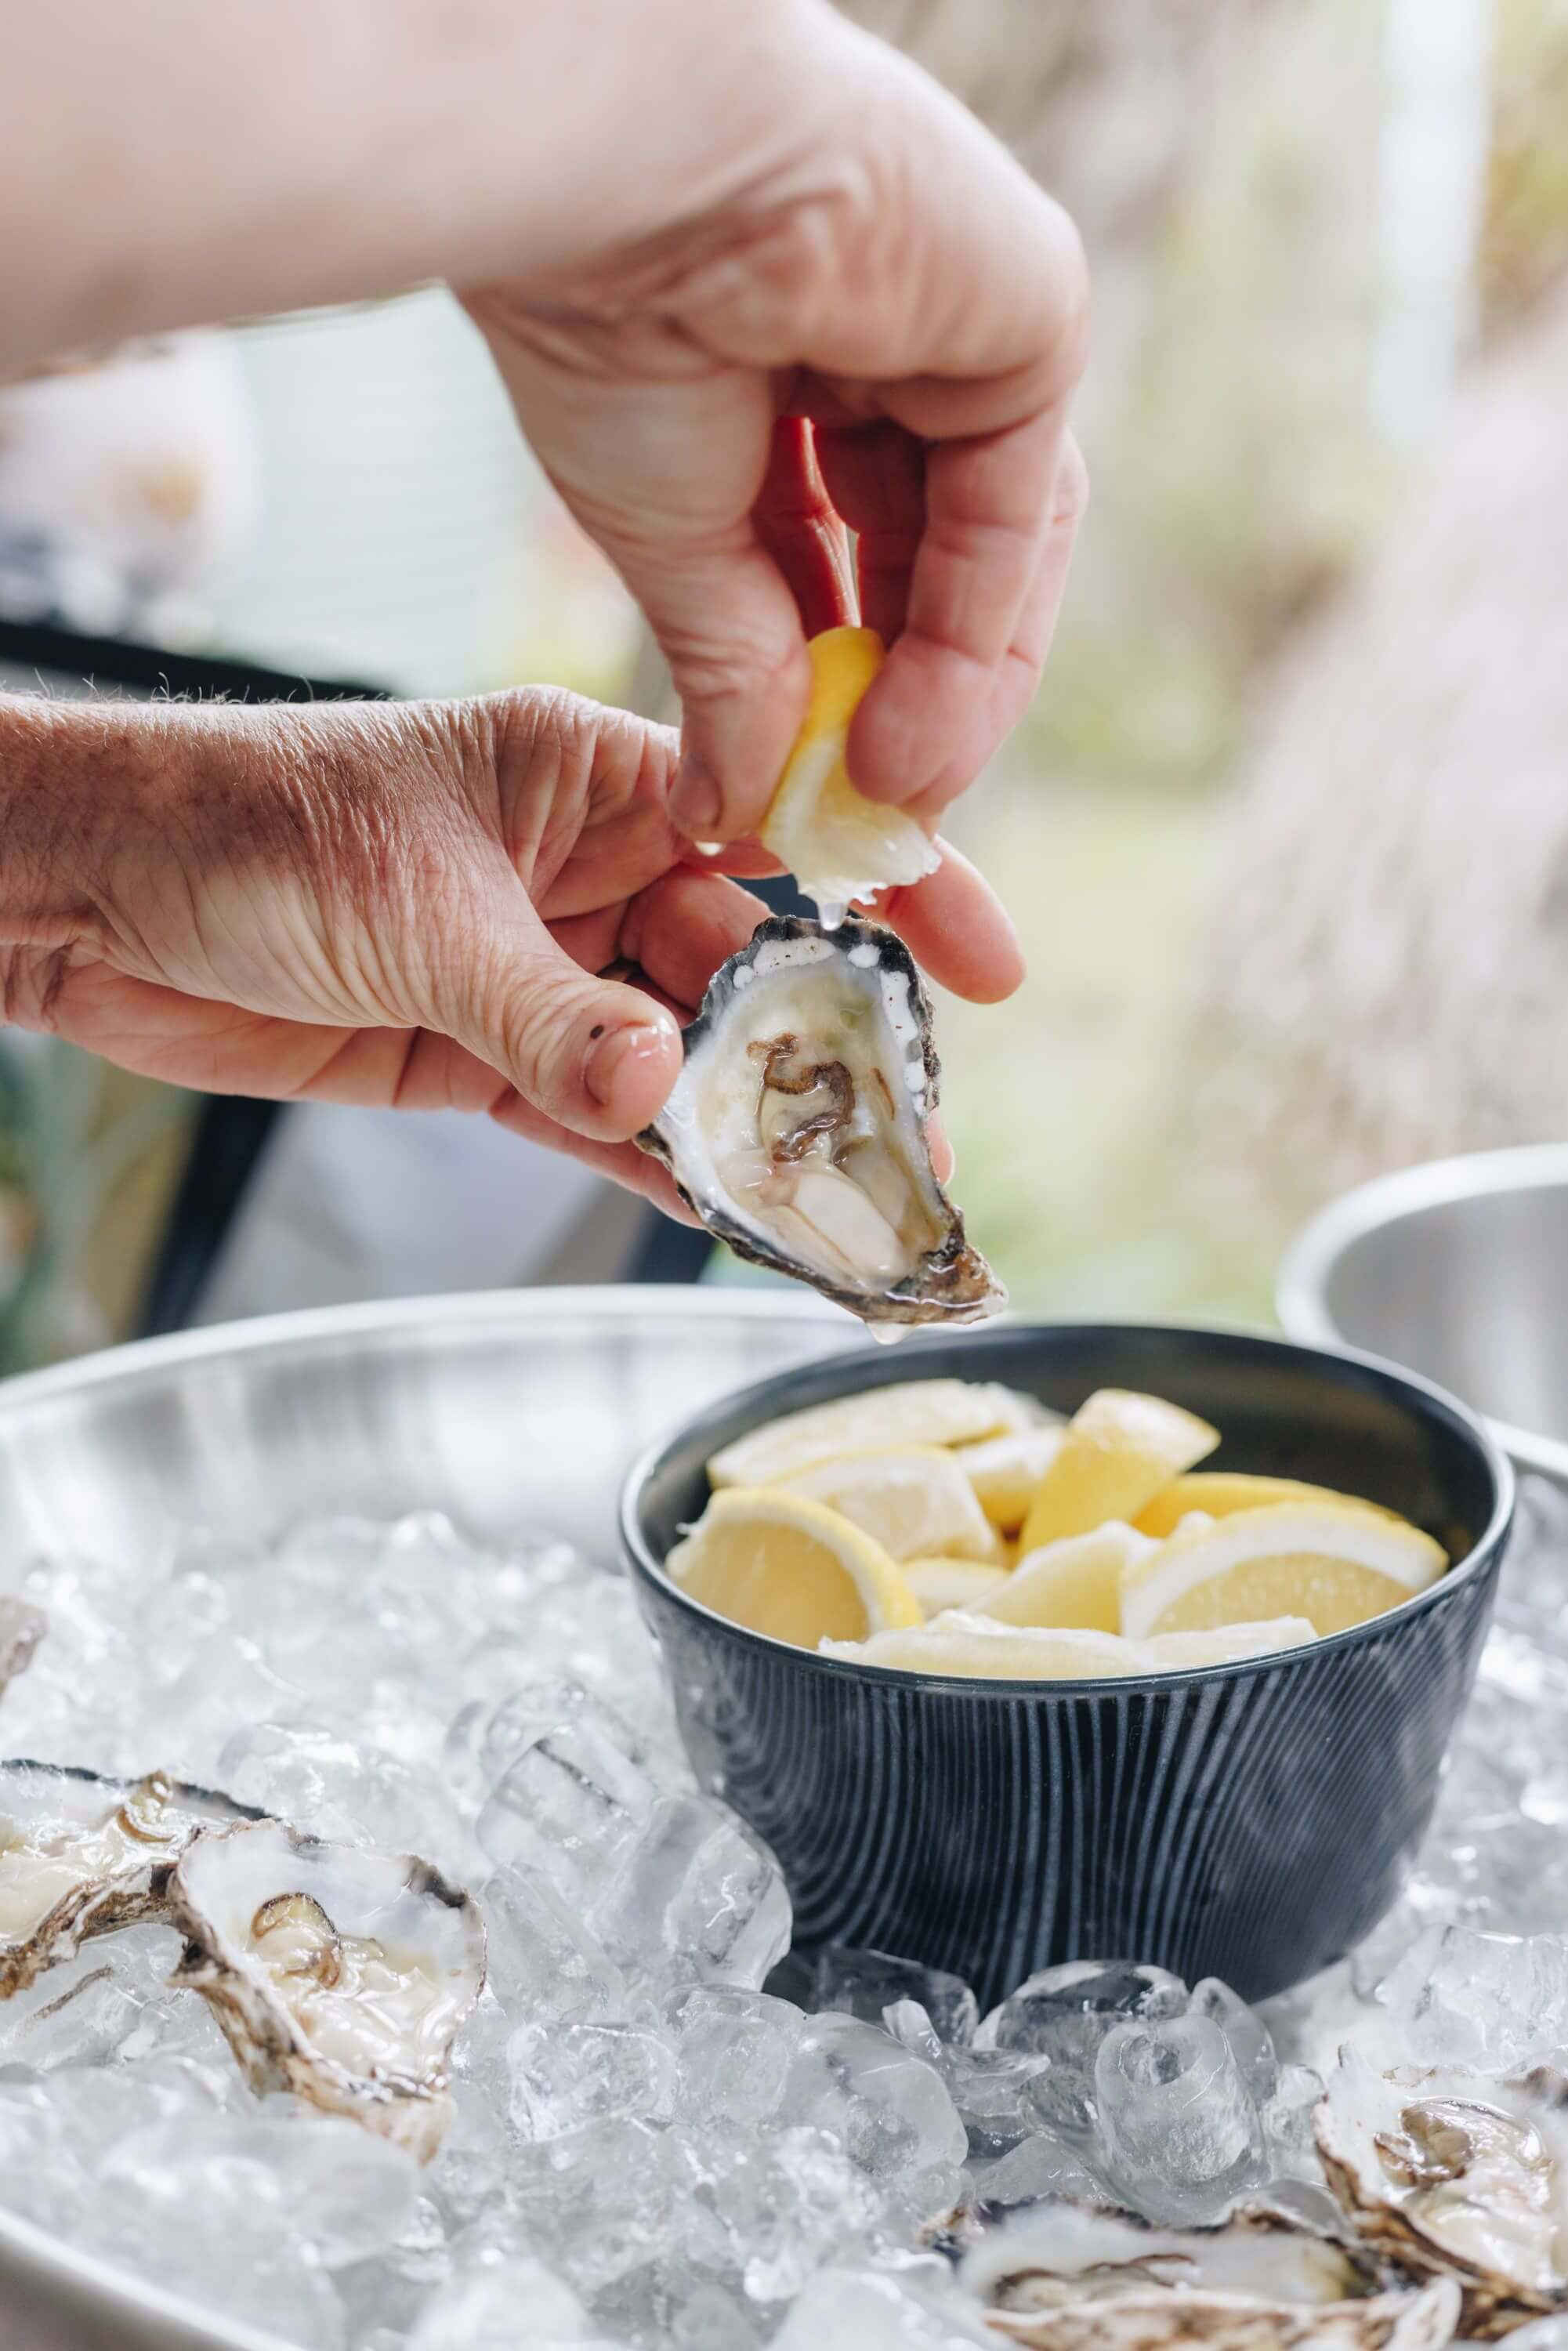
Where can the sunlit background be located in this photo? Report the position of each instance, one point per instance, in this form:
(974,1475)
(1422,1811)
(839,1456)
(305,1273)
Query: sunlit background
(1286,833)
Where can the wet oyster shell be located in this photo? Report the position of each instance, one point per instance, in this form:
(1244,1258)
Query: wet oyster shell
(1456,2175)
(82,1854)
(1070,2278)
(336,1973)
(798,965)
(22,1627)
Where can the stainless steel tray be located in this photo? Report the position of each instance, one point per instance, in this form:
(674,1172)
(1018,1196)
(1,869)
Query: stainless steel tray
(507,1410)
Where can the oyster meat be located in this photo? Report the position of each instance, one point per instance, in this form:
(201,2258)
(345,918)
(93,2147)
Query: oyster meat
(1455,2174)
(1070,2278)
(339,1974)
(22,1627)
(80,1854)
(796,1128)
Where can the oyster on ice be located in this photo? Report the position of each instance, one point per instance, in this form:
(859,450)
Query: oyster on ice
(81,1854)
(339,1974)
(796,1128)
(1456,2175)
(22,1627)
(1070,2278)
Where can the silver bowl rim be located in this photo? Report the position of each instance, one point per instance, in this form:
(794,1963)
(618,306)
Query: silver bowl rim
(1488,1542)
(1302,1288)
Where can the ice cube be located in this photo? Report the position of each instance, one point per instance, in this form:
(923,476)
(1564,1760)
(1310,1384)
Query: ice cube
(543,1961)
(1491,2001)
(501,2307)
(996,2091)
(1244,2029)
(890,2109)
(349,1792)
(602,2200)
(871,2310)
(489,1734)
(733,2049)
(1064,2013)
(1289,2144)
(788,2202)
(568,2076)
(568,1806)
(696,1898)
(1180,2133)
(862,1983)
(1041,2165)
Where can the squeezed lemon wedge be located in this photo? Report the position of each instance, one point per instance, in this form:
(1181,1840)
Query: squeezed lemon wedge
(907,1411)
(975,1646)
(1332,1563)
(790,1567)
(839,845)
(1005,1471)
(1219,1493)
(1119,1450)
(940,1584)
(913,1498)
(1077,1581)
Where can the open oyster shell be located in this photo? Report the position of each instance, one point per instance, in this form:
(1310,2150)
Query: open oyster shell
(339,1974)
(796,1128)
(1455,2174)
(1070,2278)
(80,1854)
(22,1627)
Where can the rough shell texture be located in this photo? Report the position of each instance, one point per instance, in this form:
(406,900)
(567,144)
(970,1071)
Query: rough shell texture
(110,1846)
(22,1627)
(368,2034)
(1456,2176)
(1067,2278)
(950,1280)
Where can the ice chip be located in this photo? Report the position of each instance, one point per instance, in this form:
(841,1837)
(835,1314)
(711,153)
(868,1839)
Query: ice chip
(889,2108)
(1290,2143)
(1064,2013)
(543,1961)
(697,1897)
(733,2049)
(1492,2001)
(869,2310)
(863,1983)
(501,2307)
(1180,2133)
(568,1806)
(1249,2036)
(568,2076)
(1042,2165)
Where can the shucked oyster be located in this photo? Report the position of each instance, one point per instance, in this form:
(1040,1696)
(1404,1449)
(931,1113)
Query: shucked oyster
(797,1129)
(81,1854)
(1455,2174)
(336,1973)
(1068,2278)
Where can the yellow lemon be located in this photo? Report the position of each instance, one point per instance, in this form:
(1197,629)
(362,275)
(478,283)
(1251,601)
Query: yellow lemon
(1332,1564)
(839,845)
(1221,1492)
(977,1647)
(1077,1581)
(941,1583)
(792,1568)
(913,1498)
(1005,1471)
(905,1412)
(1119,1450)
(1223,1645)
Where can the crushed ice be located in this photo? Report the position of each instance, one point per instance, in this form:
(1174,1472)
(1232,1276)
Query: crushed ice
(650,2147)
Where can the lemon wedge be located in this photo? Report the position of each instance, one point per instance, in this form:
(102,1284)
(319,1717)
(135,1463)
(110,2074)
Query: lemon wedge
(1077,1581)
(1005,1471)
(1120,1448)
(1334,1564)
(1218,1493)
(912,1499)
(839,845)
(941,1584)
(976,1646)
(905,1412)
(1226,1645)
(792,1568)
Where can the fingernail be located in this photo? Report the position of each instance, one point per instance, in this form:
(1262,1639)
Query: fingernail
(615,1062)
(695,796)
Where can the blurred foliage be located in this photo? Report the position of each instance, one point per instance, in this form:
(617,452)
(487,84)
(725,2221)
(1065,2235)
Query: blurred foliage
(1524,244)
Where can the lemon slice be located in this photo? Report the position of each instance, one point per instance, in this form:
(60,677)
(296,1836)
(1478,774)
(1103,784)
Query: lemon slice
(1224,1645)
(1005,1471)
(905,1412)
(1077,1581)
(973,1645)
(912,1499)
(1218,1493)
(839,845)
(941,1583)
(792,1568)
(1333,1565)
(1119,1450)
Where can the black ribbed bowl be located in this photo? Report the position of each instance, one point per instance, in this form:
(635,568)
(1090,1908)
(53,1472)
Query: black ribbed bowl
(1249,1821)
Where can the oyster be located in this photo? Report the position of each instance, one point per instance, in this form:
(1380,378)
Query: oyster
(339,1974)
(22,1627)
(1068,2278)
(1456,2175)
(81,1854)
(797,1129)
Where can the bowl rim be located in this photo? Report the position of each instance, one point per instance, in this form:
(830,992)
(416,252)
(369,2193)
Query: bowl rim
(1301,1286)
(1487,1545)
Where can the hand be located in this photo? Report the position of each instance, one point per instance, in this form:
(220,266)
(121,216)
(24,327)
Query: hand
(393,904)
(854,309)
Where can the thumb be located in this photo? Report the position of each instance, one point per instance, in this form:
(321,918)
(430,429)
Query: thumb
(597,1056)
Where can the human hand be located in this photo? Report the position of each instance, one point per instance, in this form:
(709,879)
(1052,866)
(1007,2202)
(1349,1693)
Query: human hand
(396,903)
(854,263)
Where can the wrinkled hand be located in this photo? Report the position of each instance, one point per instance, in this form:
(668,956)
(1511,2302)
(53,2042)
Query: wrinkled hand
(393,903)
(858,256)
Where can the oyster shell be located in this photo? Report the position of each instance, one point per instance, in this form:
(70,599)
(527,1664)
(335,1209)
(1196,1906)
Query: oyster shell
(81,1854)
(796,1128)
(339,1974)
(1456,2175)
(1069,2278)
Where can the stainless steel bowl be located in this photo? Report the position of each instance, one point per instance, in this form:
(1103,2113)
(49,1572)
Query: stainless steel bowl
(1459,1270)
(511,1410)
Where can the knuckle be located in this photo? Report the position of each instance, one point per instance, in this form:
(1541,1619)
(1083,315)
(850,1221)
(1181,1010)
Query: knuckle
(1071,501)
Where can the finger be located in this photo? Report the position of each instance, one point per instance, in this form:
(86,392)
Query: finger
(796,523)
(942,1158)
(746,859)
(954,924)
(682,928)
(988,504)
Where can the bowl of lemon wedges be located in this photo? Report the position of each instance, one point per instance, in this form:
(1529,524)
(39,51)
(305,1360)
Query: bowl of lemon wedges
(1076,1641)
